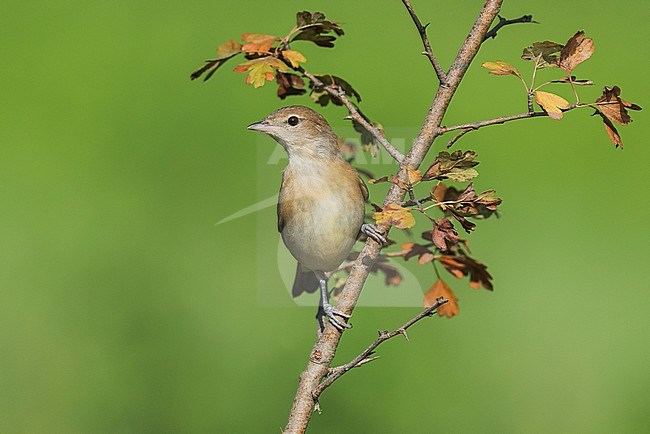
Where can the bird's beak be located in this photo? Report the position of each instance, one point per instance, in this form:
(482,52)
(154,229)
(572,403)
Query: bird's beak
(261,126)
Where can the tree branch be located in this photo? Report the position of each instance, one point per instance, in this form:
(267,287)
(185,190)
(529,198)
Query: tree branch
(365,357)
(324,349)
(502,120)
(504,22)
(422,29)
(355,115)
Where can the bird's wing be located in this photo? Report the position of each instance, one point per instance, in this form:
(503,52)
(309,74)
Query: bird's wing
(364,189)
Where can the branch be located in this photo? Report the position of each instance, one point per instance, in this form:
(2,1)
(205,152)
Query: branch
(422,29)
(502,120)
(324,349)
(503,22)
(355,115)
(365,356)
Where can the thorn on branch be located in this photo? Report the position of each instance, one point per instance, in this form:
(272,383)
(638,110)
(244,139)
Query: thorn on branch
(492,33)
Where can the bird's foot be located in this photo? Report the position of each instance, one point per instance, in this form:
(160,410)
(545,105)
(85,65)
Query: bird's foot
(331,314)
(373,232)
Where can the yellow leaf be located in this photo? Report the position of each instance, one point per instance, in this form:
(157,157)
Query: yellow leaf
(501,68)
(293,57)
(551,103)
(261,70)
(441,289)
(577,50)
(256,43)
(414,175)
(394,214)
(229,48)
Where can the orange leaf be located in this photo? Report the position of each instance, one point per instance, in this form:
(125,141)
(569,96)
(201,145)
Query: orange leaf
(551,103)
(501,68)
(577,50)
(414,175)
(441,289)
(293,57)
(256,43)
(394,214)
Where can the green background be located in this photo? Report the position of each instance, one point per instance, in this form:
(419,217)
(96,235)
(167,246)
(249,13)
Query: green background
(123,308)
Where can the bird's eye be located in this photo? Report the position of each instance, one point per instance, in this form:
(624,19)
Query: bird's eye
(293,120)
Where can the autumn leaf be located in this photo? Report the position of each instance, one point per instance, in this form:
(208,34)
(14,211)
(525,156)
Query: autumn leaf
(444,235)
(551,103)
(611,107)
(261,70)
(394,214)
(225,51)
(295,58)
(322,97)
(501,68)
(414,175)
(463,265)
(410,250)
(289,84)
(614,107)
(441,289)
(575,51)
(545,54)
(256,43)
(457,166)
(315,28)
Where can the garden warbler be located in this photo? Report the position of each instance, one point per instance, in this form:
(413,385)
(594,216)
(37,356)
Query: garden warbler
(321,201)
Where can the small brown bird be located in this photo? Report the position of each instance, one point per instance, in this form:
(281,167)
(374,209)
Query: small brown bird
(321,201)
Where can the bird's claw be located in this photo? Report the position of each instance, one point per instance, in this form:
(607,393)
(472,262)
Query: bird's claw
(373,232)
(331,315)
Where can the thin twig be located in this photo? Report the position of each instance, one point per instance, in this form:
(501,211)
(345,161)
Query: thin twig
(504,22)
(476,125)
(354,114)
(458,136)
(365,356)
(422,29)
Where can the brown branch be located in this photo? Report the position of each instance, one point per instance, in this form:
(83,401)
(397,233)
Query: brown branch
(504,22)
(354,114)
(422,29)
(502,120)
(324,349)
(458,136)
(366,356)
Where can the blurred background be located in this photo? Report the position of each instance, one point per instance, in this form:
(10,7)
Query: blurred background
(124,308)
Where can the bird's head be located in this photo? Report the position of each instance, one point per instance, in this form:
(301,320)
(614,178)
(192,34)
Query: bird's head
(300,130)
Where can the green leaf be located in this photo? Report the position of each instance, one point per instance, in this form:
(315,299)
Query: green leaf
(544,53)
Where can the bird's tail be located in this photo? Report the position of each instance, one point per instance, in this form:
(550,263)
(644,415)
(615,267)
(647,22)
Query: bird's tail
(305,281)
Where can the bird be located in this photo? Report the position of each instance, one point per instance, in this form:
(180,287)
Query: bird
(321,204)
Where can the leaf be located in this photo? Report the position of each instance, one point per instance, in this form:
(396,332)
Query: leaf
(289,84)
(463,265)
(441,289)
(444,235)
(394,214)
(551,103)
(410,250)
(225,51)
(614,107)
(320,95)
(573,80)
(368,141)
(456,166)
(501,68)
(544,53)
(575,51)
(611,107)
(261,70)
(378,180)
(257,43)
(315,28)
(295,58)
(414,175)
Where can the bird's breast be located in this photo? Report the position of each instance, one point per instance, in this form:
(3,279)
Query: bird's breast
(321,215)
